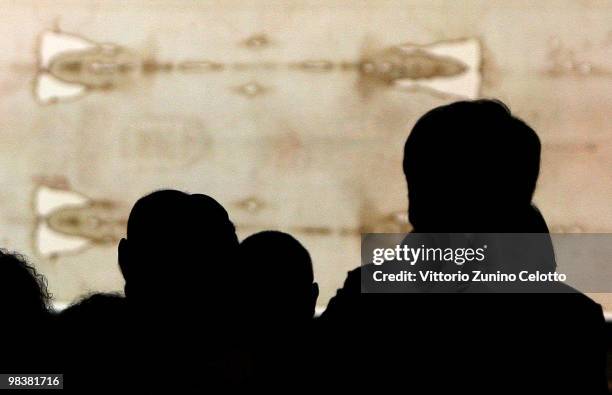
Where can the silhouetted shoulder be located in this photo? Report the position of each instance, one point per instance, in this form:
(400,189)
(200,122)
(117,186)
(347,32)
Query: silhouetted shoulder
(581,301)
(346,301)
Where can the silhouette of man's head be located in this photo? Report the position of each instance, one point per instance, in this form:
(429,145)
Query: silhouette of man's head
(94,323)
(279,271)
(23,291)
(97,312)
(471,166)
(178,247)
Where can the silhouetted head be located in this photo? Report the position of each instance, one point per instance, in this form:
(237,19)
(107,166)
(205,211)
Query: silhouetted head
(24,317)
(471,166)
(97,312)
(93,326)
(280,278)
(179,247)
(94,337)
(23,291)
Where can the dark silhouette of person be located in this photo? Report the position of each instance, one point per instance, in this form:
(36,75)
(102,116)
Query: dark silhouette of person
(279,280)
(177,260)
(92,343)
(279,270)
(471,167)
(25,326)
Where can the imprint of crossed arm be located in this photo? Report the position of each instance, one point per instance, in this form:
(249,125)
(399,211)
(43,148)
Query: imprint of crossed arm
(294,124)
